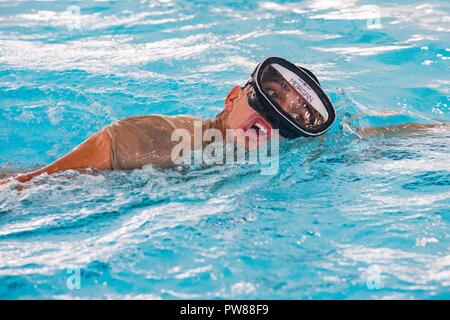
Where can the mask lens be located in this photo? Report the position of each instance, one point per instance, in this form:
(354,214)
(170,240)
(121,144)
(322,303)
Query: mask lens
(288,91)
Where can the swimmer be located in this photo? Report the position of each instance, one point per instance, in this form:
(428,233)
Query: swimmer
(280,95)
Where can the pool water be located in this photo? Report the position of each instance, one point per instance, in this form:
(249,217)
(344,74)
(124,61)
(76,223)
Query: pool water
(346,217)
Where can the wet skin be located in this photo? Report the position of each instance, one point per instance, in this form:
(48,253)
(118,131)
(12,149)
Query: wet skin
(95,152)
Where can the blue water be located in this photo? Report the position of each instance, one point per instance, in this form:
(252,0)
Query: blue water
(347,216)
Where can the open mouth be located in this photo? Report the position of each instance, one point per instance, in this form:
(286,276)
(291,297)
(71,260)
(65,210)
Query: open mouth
(258,129)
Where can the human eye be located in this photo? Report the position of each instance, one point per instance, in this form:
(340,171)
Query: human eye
(273,95)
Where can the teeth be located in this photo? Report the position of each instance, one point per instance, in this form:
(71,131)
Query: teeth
(261,127)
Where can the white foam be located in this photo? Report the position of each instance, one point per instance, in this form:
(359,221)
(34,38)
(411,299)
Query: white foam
(429,268)
(93,21)
(363,51)
(108,54)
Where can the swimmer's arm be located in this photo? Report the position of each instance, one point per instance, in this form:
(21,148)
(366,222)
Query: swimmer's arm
(397,129)
(400,129)
(95,152)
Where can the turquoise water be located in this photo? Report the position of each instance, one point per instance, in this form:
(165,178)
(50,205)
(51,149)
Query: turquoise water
(346,216)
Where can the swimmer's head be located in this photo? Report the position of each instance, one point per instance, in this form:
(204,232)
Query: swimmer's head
(238,114)
(280,95)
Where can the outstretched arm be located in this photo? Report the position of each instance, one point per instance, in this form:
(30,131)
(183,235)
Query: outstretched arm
(401,129)
(94,152)
(406,128)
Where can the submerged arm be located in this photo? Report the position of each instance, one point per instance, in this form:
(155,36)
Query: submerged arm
(406,128)
(401,129)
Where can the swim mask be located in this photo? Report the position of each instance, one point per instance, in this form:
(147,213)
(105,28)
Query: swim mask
(290,98)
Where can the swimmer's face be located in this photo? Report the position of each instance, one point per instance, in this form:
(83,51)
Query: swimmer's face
(240,115)
(284,95)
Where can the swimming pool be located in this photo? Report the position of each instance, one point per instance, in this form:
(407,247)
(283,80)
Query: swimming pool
(346,217)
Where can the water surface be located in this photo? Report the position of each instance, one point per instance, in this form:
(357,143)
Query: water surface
(345,217)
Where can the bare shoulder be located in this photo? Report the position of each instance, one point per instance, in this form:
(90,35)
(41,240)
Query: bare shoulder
(142,120)
(184,122)
(158,120)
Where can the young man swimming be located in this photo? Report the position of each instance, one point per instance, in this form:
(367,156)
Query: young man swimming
(280,95)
